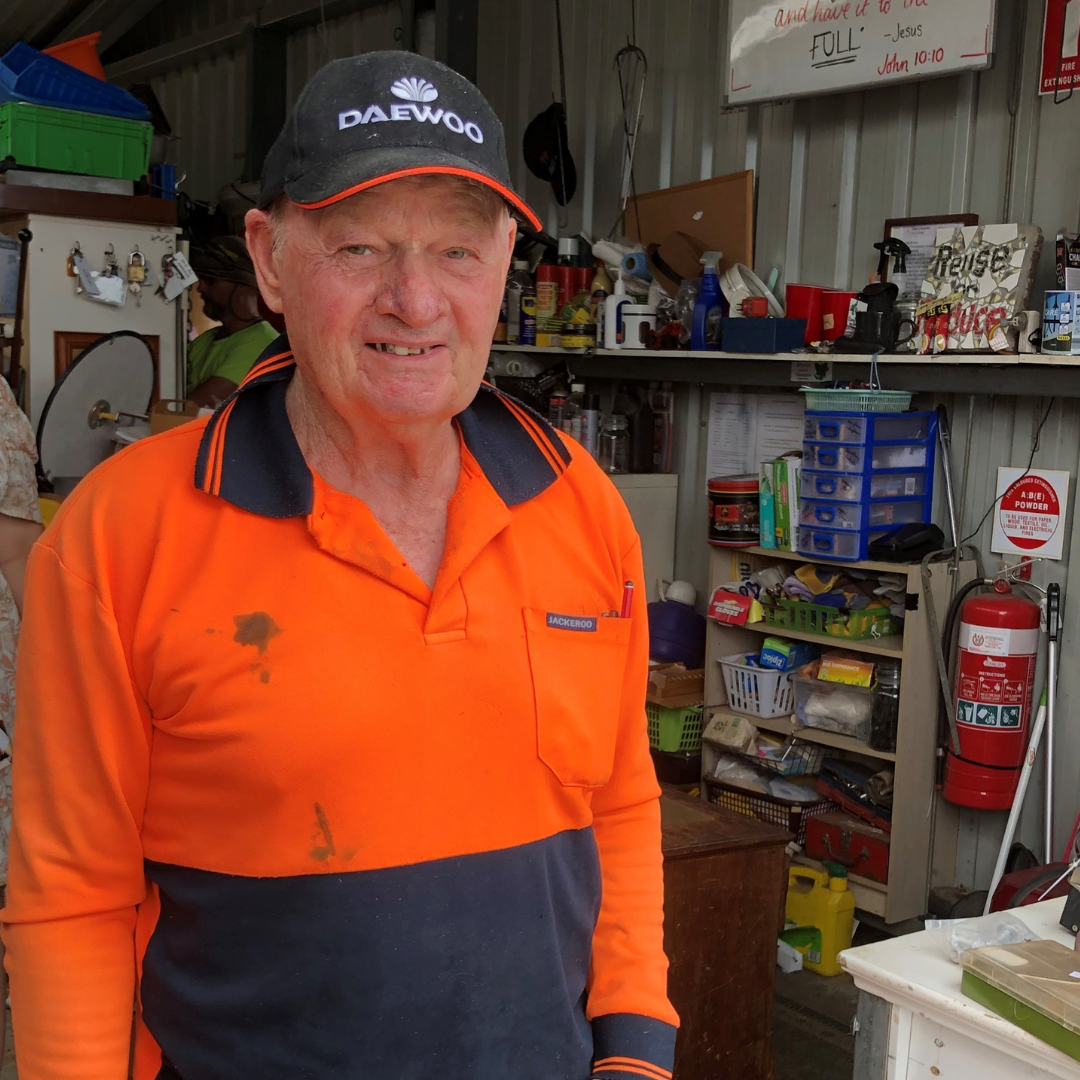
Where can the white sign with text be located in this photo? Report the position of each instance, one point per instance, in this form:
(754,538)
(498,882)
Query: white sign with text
(795,47)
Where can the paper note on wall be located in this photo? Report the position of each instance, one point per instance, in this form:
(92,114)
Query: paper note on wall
(745,429)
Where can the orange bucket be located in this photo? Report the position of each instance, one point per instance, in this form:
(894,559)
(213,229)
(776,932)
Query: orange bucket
(80,53)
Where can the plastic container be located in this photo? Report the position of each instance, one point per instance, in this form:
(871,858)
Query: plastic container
(829,706)
(763,692)
(676,633)
(847,546)
(62,140)
(885,717)
(834,457)
(835,305)
(517,284)
(783,813)
(851,487)
(823,900)
(671,730)
(762,335)
(81,53)
(866,427)
(30,76)
(915,456)
(734,510)
(833,515)
(822,427)
(804,302)
(886,515)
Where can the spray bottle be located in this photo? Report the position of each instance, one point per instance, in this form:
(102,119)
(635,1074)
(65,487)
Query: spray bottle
(705,329)
(613,332)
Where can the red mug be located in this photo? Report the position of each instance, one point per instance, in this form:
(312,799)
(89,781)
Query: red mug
(834,312)
(804,302)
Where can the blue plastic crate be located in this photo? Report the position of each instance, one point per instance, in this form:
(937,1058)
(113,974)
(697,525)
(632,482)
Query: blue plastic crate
(762,335)
(31,76)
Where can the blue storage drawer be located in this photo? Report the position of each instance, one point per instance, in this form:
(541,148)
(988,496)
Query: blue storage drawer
(841,457)
(823,427)
(834,544)
(854,487)
(762,335)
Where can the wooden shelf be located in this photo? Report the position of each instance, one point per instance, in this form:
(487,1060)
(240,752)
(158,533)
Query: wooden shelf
(893,645)
(798,556)
(781,725)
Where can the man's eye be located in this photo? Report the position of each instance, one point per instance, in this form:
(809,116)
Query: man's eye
(457,253)
(358,249)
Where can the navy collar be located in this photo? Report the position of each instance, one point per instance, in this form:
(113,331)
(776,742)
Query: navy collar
(249,455)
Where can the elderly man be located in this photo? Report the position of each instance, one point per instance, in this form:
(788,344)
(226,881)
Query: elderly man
(332,753)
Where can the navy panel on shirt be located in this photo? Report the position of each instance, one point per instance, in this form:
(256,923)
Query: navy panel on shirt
(470,968)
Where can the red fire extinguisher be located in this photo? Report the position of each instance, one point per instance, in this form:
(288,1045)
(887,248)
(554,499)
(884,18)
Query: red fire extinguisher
(995,677)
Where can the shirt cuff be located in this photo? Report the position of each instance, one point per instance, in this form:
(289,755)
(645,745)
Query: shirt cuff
(628,1047)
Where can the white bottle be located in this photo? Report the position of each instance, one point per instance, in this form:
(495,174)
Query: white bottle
(613,330)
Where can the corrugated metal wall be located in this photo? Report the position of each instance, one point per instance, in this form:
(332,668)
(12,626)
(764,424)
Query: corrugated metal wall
(829,171)
(206,103)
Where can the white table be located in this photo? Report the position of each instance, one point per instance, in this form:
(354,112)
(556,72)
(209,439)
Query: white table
(933,1030)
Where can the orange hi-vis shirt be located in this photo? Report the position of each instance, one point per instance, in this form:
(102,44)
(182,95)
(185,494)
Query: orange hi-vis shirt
(319,821)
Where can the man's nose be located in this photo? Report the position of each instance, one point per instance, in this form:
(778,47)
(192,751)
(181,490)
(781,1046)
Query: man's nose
(411,292)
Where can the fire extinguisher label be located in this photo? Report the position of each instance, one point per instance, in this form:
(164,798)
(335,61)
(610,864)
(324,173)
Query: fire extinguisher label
(996,641)
(993,676)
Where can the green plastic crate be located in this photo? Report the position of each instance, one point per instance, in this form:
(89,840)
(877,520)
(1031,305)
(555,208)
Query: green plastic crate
(63,140)
(671,730)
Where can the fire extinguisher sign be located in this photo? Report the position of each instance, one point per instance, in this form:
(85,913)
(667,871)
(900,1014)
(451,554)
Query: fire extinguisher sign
(1030,513)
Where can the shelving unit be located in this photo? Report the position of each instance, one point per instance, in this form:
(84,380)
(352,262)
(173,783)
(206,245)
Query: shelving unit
(914,762)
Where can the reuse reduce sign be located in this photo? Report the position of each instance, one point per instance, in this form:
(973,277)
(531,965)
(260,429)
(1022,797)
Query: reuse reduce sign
(1030,514)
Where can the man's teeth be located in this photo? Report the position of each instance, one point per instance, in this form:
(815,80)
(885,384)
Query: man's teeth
(402,350)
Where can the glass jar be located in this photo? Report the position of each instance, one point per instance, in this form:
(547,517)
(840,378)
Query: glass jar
(613,453)
(886,710)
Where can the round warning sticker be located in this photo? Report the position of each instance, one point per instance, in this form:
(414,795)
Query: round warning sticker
(1030,512)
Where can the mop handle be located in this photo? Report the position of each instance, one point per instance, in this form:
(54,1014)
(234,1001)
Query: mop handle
(1018,800)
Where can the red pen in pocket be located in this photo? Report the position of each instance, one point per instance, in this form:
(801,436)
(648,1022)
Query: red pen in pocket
(627,600)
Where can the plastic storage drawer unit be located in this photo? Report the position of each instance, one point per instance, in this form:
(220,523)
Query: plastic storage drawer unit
(887,515)
(832,515)
(829,544)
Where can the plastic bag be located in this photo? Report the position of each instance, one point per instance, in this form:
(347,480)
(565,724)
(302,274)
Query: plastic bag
(733,770)
(955,936)
(792,792)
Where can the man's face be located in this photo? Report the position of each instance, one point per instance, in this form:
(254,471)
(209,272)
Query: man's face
(391,296)
(215,297)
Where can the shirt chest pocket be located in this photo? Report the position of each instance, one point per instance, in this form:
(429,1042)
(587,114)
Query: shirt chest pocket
(578,665)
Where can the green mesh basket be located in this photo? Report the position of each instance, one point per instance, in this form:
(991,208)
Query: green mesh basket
(821,399)
(674,729)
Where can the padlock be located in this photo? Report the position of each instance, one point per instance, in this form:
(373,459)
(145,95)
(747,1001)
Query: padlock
(136,271)
(112,264)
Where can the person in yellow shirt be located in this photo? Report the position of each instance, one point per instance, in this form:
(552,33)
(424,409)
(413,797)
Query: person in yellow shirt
(220,357)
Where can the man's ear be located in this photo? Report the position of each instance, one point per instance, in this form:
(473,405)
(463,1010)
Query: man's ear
(260,244)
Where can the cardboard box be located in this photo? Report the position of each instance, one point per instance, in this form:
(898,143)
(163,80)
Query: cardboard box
(786,496)
(766,505)
(169,413)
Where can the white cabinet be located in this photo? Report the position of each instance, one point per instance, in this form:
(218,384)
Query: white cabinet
(651,499)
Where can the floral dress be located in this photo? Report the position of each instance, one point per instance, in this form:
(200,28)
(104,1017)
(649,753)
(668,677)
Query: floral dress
(18,499)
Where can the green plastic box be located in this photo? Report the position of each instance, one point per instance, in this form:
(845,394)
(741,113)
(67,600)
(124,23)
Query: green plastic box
(63,140)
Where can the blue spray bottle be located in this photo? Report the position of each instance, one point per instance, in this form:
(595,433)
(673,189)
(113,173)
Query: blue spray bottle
(705,329)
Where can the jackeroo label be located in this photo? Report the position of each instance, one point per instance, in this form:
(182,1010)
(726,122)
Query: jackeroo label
(583,623)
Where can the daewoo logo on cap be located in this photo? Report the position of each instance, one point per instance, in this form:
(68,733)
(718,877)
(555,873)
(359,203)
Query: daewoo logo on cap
(379,116)
(413,90)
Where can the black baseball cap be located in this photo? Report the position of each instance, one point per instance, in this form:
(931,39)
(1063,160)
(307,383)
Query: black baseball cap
(381,116)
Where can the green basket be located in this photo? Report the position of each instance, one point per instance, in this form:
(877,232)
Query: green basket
(64,140)
(821,399)
(827,621)
(671,730)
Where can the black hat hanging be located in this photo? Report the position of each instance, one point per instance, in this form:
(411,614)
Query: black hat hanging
(545,145)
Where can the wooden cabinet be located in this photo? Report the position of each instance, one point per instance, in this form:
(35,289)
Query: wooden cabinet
(918,810)
(725,880)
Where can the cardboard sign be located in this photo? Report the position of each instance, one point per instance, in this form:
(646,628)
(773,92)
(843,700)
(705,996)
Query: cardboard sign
(1030,514)
(1060,47)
